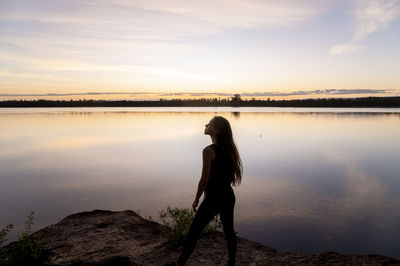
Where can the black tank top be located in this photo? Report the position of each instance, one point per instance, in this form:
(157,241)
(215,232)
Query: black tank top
(221,173)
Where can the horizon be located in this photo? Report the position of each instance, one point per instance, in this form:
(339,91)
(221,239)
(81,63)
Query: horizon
(236,101)
(147,50)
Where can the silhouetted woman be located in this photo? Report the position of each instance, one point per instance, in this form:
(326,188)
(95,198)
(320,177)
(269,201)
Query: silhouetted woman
(222,168)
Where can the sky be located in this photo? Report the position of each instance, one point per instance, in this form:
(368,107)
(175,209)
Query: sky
(151,49)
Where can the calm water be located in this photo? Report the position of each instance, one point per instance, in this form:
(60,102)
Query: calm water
(314,179)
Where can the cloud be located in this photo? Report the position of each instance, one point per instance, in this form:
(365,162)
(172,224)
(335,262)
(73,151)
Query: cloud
(71,94)
(238,13)
(370,16)
(60,65)
(140,29)
(346,48)
(205,94)
(291,93)
(374,15)
(183,16)
(318,92)
(6,73)
(141,36)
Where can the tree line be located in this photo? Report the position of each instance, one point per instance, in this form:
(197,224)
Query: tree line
(235,101)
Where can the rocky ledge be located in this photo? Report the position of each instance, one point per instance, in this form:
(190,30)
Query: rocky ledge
(103,237)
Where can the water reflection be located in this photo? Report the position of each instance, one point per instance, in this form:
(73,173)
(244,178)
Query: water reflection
(236,114)
(313,181)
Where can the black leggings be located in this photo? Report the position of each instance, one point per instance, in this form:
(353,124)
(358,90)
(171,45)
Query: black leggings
(207,210)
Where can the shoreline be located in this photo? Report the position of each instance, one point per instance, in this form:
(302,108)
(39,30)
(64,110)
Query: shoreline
(102,237)
(366,102)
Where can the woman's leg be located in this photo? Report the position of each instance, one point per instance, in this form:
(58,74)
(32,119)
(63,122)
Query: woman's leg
(226,213)
(203,216)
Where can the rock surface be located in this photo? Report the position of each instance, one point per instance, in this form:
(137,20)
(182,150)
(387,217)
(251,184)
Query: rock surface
(103,237)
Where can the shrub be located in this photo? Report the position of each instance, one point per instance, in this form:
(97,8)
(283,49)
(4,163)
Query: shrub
(177,222)
(4,257)
(30,248)
(28,251)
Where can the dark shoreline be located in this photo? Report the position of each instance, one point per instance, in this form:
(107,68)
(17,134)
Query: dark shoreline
(103,237)
(364,102)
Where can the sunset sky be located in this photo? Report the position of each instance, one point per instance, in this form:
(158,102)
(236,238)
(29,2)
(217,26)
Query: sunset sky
(150,49)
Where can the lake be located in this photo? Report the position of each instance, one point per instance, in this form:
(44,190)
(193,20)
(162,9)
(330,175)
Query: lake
(315,179)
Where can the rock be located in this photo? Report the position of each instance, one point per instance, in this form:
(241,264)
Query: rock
(103,237)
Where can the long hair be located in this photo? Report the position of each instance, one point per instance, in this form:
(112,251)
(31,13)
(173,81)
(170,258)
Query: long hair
(225,141)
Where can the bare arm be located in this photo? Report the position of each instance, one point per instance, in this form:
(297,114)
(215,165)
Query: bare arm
(208,156)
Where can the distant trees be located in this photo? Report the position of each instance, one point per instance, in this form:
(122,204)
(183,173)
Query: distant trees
(236,98)
(236,101)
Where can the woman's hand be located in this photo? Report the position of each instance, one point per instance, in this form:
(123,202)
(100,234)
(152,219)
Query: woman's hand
(195,204)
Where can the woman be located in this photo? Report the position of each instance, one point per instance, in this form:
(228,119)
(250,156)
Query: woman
(222,168)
